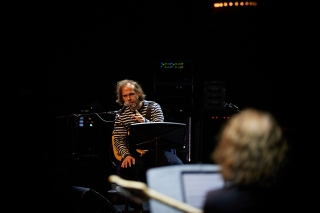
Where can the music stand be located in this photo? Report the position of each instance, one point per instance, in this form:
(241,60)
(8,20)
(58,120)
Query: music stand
(154,135)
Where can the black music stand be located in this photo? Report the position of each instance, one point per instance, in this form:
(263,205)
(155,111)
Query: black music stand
(154,135)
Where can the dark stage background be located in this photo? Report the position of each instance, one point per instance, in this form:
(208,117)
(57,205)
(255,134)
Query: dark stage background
(73,53)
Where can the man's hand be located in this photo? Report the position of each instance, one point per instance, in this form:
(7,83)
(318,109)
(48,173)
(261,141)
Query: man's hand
(128,161)
(138,117)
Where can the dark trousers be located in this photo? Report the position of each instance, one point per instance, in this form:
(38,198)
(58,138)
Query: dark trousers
(138,171)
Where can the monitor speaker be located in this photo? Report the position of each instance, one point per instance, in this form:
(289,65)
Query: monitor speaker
(75,199)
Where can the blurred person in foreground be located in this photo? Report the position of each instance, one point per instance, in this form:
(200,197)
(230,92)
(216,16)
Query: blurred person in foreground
(251,152)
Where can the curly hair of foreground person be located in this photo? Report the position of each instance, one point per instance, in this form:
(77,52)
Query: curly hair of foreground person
(251,148)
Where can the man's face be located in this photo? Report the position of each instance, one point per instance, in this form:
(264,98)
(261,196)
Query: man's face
(129,95)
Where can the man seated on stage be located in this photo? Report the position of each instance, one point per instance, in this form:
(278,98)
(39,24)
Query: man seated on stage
(134,164)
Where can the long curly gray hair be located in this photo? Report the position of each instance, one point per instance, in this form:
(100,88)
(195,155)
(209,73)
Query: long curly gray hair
(251,148)
(137,88)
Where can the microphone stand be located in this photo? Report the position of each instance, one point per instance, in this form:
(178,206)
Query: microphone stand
(230,105)
(80,115)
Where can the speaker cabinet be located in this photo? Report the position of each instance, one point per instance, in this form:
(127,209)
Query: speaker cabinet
(212,121)
(79,135)
(75,199)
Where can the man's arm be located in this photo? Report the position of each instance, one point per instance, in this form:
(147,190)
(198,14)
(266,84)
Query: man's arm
(156,114)
(120,139)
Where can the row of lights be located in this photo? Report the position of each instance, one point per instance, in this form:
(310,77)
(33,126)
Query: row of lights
(171,65)
(230,4)
(217,117)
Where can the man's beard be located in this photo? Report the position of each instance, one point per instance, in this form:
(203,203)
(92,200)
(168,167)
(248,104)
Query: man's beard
(133,105)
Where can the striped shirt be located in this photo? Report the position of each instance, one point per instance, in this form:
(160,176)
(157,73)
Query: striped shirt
(122,125)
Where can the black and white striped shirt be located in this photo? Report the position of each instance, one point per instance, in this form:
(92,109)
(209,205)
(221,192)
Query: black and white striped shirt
(122,125)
